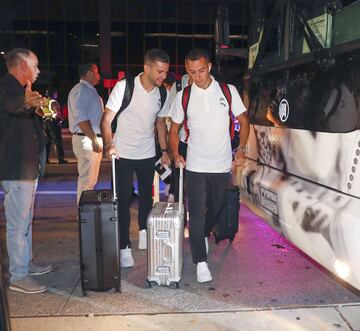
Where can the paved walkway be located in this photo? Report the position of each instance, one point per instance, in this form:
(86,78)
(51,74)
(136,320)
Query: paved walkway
(261,281)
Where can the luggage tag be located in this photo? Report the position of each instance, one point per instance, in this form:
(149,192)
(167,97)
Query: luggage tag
(163,171)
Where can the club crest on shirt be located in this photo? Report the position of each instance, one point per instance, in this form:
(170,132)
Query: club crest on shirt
(222,101)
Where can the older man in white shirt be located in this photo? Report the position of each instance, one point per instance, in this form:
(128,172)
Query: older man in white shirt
(85,112)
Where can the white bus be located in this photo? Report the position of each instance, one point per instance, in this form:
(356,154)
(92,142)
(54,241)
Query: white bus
(302,173)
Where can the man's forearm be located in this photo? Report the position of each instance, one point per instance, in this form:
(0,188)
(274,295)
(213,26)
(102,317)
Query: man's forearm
(86,128)
(162,133)
(174,142)
(106,132)
(244,130)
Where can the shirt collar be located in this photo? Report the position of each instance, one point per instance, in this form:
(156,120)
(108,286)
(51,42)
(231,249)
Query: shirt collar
(209,89)
(82,81)
(140,86)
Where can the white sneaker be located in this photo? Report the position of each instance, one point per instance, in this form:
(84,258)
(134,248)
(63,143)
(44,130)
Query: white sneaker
(171,198)
(203,273)
(126,259)
(142,239)
(207,245)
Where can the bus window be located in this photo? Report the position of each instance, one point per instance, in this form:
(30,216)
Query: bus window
(319,21)
(346,25)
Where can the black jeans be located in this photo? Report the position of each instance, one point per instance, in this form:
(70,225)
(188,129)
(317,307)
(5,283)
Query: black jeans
(144,170)
(53,133)
(206,194)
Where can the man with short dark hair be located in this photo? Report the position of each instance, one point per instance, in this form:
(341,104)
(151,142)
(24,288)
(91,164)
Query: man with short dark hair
(134,143)
(85,110)
(209,156)
(22,150)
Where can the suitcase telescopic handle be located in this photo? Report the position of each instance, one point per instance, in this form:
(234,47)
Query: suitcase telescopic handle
(113,158)
(181,188)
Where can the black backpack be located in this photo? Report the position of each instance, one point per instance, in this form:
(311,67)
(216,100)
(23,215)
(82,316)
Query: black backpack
(129,90)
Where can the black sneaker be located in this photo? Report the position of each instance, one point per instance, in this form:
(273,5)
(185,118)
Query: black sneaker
(63,161)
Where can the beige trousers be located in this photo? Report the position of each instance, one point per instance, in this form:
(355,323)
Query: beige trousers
(88,163)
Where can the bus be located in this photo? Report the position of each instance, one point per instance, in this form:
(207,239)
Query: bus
(302,173)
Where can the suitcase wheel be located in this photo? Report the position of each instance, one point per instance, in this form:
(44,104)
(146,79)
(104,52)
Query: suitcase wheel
(174,285)
(117,289)
(150,284)
(85,293)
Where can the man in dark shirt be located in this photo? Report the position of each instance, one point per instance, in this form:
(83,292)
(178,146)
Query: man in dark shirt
(22,152)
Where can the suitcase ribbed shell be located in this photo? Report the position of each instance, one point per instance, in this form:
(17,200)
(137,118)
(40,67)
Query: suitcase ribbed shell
(165,236)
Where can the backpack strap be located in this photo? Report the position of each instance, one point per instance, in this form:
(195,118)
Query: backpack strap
(185,102)
(178,85)
(163,95)
(128,93)
(226,91)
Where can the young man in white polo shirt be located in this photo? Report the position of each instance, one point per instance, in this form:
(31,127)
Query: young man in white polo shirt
(134,143)
(209,156)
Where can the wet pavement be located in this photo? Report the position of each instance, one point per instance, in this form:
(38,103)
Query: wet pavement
(260,281)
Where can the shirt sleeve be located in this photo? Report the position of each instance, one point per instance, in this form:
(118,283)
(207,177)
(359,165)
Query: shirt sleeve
(237,106)
(176,109)
(116,96)
(164,112)
(82,105)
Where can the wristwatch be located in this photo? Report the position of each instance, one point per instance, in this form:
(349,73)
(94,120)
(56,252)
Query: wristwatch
(163,150)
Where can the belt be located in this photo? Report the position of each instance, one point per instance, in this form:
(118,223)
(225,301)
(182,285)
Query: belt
(83,134)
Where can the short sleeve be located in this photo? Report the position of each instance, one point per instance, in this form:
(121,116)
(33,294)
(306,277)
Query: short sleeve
(116,96)
(237,106)
(82,105)
(164,112)
(176,110)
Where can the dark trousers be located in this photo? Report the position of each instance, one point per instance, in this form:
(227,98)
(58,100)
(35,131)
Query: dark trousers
(53,134)
(174,184)
(206,194)
(144,170)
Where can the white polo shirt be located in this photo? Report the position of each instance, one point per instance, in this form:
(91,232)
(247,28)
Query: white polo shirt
(134,137)
(209,145)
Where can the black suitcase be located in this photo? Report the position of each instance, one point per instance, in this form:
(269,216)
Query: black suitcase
(99,240)
(228,223)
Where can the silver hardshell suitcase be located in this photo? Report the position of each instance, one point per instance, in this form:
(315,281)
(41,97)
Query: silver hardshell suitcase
(165,236)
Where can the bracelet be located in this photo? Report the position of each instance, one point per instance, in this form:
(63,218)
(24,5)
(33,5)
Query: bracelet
(163,150)
(242,149)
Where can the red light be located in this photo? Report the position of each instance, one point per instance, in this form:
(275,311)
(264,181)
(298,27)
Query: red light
(121,75)
(109,83)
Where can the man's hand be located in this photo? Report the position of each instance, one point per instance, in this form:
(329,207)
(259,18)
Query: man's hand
(165,159)
(239,159)
(33,98)
(178,159)
(96,145)
(110,150)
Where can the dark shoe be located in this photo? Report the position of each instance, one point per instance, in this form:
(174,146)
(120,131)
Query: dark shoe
(36,270)
(27,285)
(47,162)
(63,162)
